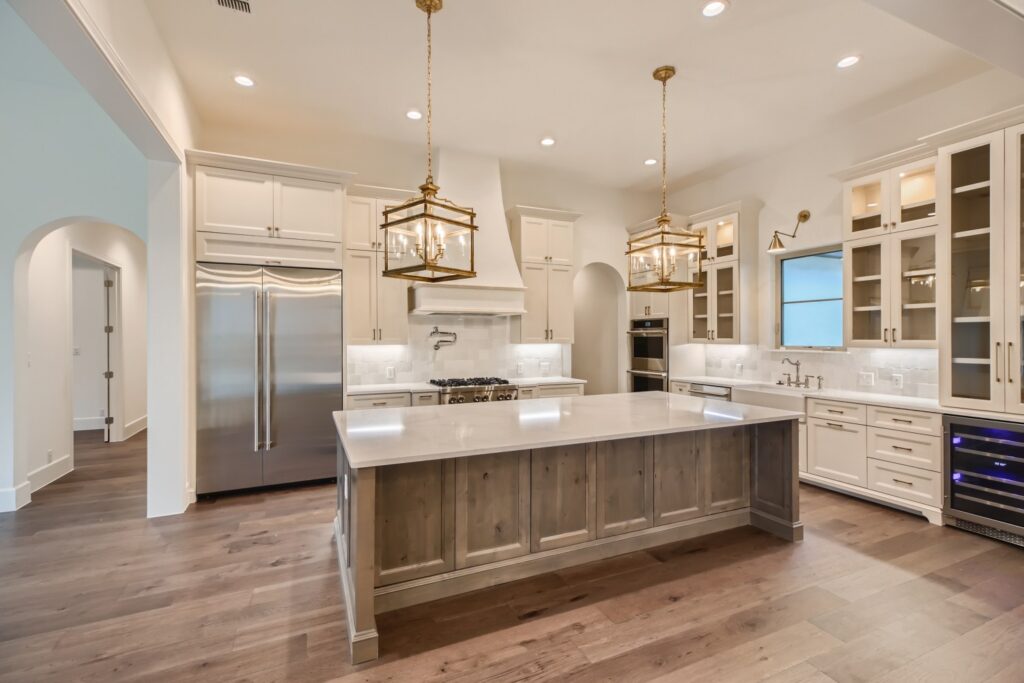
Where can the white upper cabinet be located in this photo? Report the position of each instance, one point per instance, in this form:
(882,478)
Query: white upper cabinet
(361,215)
(560,242)
(542,235)
(560,304)
(533,240)
(307,209)
(534,323)
(648,305)
(234,202)
(715,307)
(902,198)
(376,307)
(721,238)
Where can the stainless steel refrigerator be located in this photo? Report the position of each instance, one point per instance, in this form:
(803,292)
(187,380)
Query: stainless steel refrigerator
(269,375)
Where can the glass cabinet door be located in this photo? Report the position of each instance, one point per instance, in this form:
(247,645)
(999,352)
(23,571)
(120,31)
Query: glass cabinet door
(913,198)
(700,307)
(972,234)
(867,292)
(725,292)
(866,207)
(724,246)
(1015,269)
(912,317)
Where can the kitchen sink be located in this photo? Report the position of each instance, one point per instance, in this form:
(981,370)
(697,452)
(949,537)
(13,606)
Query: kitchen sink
(771,396)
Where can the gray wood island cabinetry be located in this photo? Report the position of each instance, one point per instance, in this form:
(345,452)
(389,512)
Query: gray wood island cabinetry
(439,500)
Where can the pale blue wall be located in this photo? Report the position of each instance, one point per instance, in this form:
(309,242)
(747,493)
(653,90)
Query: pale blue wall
(60,156)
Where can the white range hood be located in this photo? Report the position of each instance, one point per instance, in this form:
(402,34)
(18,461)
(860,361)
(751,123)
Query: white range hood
(475,181)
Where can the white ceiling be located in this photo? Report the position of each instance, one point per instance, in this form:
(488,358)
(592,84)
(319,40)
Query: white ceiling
(751,81)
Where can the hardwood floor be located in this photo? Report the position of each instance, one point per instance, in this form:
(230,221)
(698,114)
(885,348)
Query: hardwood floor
(246,588)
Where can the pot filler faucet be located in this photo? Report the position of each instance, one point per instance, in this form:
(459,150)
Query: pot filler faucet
(805,382)
(448,338)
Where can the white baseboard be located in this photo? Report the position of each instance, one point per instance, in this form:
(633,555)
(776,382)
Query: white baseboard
(16,497)
(49,473)
(190,495)
(88,423)
(134,427)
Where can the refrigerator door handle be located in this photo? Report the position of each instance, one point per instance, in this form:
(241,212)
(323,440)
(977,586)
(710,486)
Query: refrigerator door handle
(267,443)
(258,374)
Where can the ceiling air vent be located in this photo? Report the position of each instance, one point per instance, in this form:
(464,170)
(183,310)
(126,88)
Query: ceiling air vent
(238,5)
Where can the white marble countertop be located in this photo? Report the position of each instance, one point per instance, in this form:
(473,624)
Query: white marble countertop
(390,436)
(720,381)
(417,387)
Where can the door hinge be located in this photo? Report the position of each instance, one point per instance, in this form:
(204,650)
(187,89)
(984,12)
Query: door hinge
(109,374)
(108,420)
(108,283)
(108,328)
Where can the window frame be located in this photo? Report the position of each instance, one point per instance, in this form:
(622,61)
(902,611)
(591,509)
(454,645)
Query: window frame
(779,319)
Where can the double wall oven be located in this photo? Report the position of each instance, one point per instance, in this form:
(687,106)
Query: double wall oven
(648,354)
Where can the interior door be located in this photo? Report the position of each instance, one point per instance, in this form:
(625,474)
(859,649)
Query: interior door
(866,288)
(307,209)
(234,202)
(229,438)
(1014,316)
(302,373)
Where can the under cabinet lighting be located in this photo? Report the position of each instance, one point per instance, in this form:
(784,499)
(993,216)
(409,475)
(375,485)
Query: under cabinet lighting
(715,7)
(848,61)
(244,81)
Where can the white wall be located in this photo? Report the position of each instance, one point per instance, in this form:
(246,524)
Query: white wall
(804,176)
(88,343)
(47,386)
(599,307)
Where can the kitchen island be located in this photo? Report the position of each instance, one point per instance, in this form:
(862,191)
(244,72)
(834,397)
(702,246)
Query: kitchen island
(439,500)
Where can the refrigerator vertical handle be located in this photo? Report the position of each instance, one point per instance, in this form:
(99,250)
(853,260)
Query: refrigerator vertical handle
(267,443)
(257,445)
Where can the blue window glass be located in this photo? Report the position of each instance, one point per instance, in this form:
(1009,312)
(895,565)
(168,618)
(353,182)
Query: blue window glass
(812,300)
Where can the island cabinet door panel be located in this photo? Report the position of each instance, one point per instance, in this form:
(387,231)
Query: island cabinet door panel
(562,496)
(625,486)
(728,459)
(492,508)
(415,506)
(678,477)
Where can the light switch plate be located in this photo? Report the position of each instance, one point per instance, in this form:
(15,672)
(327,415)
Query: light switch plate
(520,368)
(389,372)
(866,379)
(897,381)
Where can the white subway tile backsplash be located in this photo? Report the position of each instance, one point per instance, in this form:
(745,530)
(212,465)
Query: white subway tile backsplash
(482,349)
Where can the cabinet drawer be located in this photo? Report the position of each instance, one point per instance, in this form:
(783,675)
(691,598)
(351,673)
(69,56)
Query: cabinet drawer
(555,390)
(679,387)
(902,448)
(836,410)
(909,483)
(837,450)
(378,401)
(905,420)
(425,398)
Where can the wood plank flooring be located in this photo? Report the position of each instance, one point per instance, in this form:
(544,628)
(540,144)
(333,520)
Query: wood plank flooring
(246,588)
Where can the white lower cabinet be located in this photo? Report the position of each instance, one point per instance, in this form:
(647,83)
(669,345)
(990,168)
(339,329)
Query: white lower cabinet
(837,450)
(370,401)
(525,393)
(904,448)
(802,446)
(910,483)
(425,398)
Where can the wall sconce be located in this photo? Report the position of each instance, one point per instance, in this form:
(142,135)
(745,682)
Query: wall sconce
(776,246)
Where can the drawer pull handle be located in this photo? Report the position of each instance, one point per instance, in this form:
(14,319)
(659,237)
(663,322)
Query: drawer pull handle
(901,481)
(834,425)
(903,421)
(380,403)
(834,411)
(903,448)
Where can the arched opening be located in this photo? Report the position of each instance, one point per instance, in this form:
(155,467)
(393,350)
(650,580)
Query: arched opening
(64,310)
(599,319)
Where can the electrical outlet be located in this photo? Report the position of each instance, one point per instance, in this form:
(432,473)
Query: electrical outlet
(545,368)
(739,369)
(520,368)
(866,379)
(389,372)
(897,381)
(49,455)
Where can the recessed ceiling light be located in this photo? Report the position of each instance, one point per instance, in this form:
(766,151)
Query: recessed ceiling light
(414,115)
(848,61)
(244,81)
(547,142)
(650,162)
(715,7)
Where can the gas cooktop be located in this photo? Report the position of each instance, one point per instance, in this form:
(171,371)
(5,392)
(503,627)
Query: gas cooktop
(460,382)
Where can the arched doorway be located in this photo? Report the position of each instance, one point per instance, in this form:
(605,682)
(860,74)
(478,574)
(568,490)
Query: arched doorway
(599,319)
(45,296)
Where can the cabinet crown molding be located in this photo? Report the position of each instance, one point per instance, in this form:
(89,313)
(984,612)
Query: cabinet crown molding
(378,192)
(520,210)
(219,160)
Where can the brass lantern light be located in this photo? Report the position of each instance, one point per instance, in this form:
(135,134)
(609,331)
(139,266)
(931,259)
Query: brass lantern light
(427,238)
(659,257)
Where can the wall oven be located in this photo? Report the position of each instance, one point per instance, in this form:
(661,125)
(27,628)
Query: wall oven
(648,351)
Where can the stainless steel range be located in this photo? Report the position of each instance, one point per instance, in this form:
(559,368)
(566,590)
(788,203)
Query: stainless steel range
(475,390)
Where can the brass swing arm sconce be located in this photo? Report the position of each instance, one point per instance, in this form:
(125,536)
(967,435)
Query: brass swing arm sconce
(776,246)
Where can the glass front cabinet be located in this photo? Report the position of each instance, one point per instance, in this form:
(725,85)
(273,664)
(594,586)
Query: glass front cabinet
(902,198)
(1014,315)
(714,308)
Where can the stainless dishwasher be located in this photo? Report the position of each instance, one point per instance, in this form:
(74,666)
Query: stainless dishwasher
(710,391)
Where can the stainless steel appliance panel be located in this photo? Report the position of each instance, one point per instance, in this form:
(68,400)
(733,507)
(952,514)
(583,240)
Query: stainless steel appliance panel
(640,380)
(303,380)
(228,427)
(648,345)
(710,391)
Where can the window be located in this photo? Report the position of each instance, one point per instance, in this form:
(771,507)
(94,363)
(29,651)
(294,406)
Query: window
(812,300)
